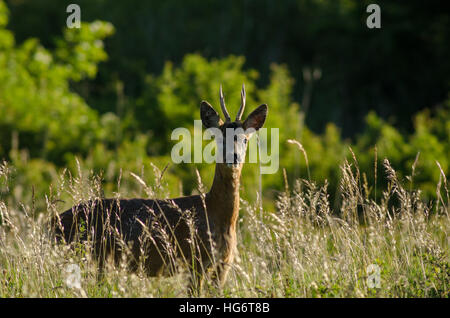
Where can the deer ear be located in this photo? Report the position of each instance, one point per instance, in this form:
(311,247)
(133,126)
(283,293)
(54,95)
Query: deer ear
(210,118)
(256,118)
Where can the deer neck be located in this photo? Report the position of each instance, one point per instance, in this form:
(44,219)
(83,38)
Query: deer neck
(222,201)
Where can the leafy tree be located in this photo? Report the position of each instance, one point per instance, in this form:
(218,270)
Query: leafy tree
(38,110)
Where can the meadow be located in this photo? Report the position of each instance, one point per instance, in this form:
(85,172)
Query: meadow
(360,204)
(303,248)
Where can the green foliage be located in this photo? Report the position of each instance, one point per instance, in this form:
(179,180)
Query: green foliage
(177,92)
(396,71)
(428,144)
(37,106)
(65,117)
(82,48)
(45,125)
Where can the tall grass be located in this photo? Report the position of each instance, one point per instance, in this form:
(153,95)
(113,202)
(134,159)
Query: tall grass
(302,249)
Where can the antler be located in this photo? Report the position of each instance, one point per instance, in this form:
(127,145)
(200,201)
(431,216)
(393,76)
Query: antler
(222,105)
(241,109)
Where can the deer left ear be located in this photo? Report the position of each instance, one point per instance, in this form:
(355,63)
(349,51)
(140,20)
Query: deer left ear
(256,118)
(210,118)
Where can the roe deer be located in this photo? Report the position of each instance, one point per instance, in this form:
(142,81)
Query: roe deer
(158,231)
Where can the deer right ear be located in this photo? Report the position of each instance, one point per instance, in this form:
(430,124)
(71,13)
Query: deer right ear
(210,118)
(256,118)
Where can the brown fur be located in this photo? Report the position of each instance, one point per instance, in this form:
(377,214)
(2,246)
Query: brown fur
(159,231)
(108,221)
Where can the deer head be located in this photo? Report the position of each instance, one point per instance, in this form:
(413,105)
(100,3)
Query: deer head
(232,136)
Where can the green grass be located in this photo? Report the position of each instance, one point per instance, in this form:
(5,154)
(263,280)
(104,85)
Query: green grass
(303,248)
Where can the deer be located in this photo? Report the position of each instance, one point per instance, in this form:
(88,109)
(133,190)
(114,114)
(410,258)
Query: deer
(158,231)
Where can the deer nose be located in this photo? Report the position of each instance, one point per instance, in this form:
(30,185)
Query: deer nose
(236,158)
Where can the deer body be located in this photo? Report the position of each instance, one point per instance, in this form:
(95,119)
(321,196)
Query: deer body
(159,231)
(108,220)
